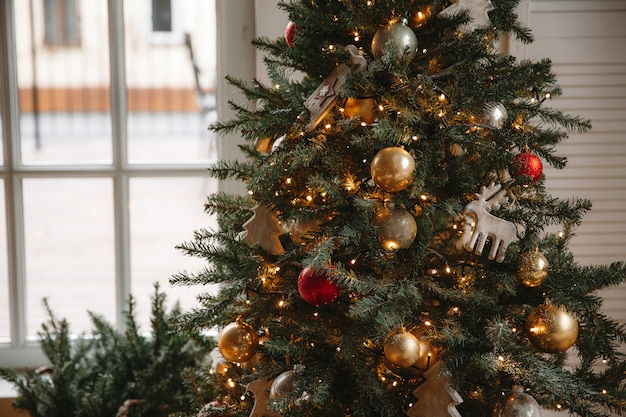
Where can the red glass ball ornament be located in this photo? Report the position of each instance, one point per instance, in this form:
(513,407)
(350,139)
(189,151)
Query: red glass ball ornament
(529,165)
(290,34)
(315,287)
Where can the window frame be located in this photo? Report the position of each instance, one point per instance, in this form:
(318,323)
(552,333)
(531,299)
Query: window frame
(20,351)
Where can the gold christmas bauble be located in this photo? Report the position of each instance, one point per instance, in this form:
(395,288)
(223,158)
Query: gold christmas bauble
(396,228)
(402,348)
(238,342)
(532,268)
(365,108)
(392,169)
(516,404)
(400,36)
(427,356)
(551,329)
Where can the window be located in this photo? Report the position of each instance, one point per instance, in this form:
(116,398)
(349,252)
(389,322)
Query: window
(161,15)
(105,172)
(61,22)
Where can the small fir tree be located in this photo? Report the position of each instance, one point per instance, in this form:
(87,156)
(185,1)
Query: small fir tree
(396,220)
(112,373)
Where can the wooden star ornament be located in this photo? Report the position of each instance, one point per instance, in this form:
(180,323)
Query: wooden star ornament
(478,12)
(263,229)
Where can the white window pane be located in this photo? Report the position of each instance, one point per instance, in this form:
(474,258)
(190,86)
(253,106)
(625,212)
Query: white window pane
(164,212)
(5,330)
(70,258)
(170,100)
(63,91)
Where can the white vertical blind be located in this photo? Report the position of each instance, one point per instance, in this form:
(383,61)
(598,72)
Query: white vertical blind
(585,40)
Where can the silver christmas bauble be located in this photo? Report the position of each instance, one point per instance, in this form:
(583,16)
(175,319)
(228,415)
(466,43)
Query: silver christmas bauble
(517,404)
(400,36)
(397,228)
(495,115)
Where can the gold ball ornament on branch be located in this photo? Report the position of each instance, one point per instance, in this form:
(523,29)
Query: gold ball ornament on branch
(364,108)
(396,228)
(551,329)
(400,36)
(392,169)
(238,342)
(516,404)
(426,359)
(532,268)
(401,348)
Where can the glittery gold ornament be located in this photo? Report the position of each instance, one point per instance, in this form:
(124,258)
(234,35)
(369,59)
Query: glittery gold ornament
(392,169)
(516,404)
(551,329)
(365,108)
(396,228)
(401,348)
(238,342)
(532,268)
(400,36)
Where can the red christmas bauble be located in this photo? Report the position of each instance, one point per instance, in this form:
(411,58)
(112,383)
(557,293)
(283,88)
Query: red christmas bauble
(315,287)
(528,164)
(290,34)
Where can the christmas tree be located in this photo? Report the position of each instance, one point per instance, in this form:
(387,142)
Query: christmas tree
(396,254)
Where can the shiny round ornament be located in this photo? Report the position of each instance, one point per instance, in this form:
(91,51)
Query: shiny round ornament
(238,342)
(315,287)
(285,383)
(402,348)
(290,34)
(495,115)
(392,169)
(517,404)
(364,108)
(532,269)
(400,36)
(551,329)
(427,356)
(528,165)
(396,228)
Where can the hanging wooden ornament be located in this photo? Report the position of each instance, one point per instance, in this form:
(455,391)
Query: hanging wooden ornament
(261,391)
(263,229)
(487,226)
(323,98)
(435,397)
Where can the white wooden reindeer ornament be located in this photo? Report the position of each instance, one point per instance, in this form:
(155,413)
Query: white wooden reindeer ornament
(485,225)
